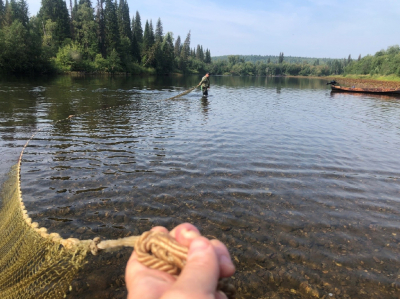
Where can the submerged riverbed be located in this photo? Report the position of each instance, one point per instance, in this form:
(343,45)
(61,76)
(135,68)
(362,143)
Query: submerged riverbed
(301,184)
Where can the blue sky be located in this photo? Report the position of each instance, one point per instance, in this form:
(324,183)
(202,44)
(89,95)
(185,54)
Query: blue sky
(307,28)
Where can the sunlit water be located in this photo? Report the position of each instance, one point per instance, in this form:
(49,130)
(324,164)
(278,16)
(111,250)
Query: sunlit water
(302,185)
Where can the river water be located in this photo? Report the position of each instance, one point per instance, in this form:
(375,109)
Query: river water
(301,184)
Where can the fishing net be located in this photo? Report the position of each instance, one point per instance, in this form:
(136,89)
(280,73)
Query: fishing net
(33,262)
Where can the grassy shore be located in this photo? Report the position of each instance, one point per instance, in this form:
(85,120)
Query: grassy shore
(369,77)
(365,82)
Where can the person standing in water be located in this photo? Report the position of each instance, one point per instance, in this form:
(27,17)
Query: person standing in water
(205,84)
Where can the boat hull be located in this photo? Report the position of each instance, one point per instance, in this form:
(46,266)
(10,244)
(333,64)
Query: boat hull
(366,90)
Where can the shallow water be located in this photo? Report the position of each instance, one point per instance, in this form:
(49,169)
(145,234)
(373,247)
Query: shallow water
(301,184)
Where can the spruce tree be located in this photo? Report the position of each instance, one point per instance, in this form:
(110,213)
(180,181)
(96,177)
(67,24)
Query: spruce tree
(138,30)
(159,35)
(198,55)
(201,53)
(56,11)
(1,12)
(85,28)
(135,48)
(124,21)
(100,27)
(167,53)
(151,31)
(207,58)
(177,47)
(281,57)
(7,15)
(22,13)
(111,30)
(146,36)
(185,52)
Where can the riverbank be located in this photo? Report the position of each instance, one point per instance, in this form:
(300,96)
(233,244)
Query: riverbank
(365,82)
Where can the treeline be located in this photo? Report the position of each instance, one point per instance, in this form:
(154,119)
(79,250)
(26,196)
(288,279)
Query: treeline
(275,59)
(95,39)
(236,65)
(383,63)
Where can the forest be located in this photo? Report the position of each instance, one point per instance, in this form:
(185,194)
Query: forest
(277,66)
(105,38)
(91,39)
(385,63)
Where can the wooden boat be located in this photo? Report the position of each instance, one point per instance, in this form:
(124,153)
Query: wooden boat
(366,90)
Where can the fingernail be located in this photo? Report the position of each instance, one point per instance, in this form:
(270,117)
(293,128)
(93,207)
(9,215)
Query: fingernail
(189,234)
(226,260)
(222,294)
(198,245)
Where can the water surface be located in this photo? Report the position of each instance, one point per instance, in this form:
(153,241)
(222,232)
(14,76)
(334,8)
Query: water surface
(301,184)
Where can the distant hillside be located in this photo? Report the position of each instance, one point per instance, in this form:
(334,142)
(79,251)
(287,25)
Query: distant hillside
(274,59)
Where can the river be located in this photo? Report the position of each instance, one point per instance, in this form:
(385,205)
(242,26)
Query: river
(301,184)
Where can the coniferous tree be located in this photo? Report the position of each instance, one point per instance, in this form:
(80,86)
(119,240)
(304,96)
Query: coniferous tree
(101,28)
(1,12)
(2,9)
(207,58)
(199,53)
(281,57)
(151,34)
(159,35)
(135,48)
(8,15)
(111,30)
(105,29)
(56,11)
(86,28)
(359,57)
(168,53)
(20,48)
(124,22)
(138,30)
(146,37)
(185,52)
(20,11)
(73,9)
(177,47)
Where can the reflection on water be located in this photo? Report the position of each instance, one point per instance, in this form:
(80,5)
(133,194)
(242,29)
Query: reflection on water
(300,184)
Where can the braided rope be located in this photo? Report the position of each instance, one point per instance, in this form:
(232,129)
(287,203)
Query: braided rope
(159,251)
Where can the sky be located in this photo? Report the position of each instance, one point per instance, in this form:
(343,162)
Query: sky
(307,28)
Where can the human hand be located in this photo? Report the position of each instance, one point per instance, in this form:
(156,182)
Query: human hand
(207,261)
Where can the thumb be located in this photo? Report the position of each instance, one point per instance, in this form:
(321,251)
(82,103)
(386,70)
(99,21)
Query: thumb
(200,275)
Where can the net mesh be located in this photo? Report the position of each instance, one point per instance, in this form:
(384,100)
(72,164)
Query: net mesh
(33,263)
